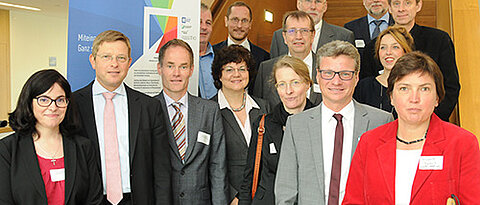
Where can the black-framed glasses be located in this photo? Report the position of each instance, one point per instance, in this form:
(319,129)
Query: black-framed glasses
(293,31)
(343,75)
(45,101)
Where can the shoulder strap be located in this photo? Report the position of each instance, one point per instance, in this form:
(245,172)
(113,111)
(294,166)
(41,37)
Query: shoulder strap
(258,155)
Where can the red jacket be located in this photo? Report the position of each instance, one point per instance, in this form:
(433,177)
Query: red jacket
(371,178)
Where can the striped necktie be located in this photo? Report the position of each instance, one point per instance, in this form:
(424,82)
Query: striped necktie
(178,127)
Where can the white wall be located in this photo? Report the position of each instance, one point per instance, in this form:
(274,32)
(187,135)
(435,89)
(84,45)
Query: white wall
(34,37)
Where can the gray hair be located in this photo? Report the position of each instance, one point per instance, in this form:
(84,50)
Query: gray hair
(337,48)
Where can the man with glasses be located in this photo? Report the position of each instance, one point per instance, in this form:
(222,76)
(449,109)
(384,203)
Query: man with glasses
(239,22)
(127,127)
(298,32)
(318,143)
(324,32)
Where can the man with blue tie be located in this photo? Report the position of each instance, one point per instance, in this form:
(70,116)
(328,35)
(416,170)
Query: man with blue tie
(196,138)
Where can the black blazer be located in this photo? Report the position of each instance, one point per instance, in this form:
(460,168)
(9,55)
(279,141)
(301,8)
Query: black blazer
(361,30)
(237,148)
(22,182)
(150,169)
(439,46)
(259,55)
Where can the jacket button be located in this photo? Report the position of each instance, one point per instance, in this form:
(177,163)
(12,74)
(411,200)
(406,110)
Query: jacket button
(182,194)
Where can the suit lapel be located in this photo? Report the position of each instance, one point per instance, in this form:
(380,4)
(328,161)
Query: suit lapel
(171,140)
(364,29)
(70,159)
(193,123)
(30,162)
(386,154)
(360,124)
(326,35)
(134,109)
(315,97)
(315,133)
(232,122)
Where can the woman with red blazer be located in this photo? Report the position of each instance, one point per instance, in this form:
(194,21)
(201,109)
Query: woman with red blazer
(418,158)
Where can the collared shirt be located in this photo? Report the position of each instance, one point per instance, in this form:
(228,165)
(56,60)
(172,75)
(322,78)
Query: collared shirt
(245,43)
(383,25)
(120,104)
(329,123)
(183,108)
(318,29)
(249,105)
(205,80)
(309,61)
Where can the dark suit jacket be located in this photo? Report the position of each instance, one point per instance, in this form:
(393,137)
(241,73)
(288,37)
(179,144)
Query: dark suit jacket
(328,33)
(438,45)
(202,179)
(22,182)
(237,147)
(361,30)
(259,55)
(149,157)
(372,173)
(266,90)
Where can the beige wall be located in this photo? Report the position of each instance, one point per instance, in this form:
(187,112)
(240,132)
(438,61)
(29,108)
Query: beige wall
(34,37)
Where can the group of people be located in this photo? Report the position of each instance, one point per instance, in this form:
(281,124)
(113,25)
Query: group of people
(312,125)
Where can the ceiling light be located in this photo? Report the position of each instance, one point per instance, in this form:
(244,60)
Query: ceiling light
(268,16)
(19,6)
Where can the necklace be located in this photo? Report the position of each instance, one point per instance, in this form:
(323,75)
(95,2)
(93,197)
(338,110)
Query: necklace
(414,141)
(53,160)
(243,104)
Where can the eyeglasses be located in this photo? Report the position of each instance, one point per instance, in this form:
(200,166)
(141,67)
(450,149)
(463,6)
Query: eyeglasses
(45,101)
(308,2)
(230,70)
(330,74)
(293,84)
(293,31)
(108,58)
(235,20)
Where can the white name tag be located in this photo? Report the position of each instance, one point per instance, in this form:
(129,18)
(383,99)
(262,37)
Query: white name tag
(203,137)
(431,163)
(57,174)
(272,149)
(359,43)
(316,88)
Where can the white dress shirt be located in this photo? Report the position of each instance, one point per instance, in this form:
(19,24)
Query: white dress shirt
(120,104)
(318,29)
(329,123)
(249,105)
(244,43)
(405,169)
(183,108)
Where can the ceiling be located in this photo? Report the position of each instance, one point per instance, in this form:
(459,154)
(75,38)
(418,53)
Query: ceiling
(48,7)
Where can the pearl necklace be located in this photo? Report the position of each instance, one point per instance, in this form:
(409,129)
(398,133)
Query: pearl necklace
(243,104)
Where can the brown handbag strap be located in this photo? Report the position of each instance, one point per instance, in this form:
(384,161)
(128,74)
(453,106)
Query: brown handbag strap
(258,155)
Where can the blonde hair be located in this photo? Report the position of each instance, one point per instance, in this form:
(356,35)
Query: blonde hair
(297,65)
(400,34)
(110,36)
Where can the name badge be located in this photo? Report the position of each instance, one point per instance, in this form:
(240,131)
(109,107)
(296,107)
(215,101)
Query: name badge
(203,138)
(272,149)
(57,175)
(431,163)
(359,43)
(316,88)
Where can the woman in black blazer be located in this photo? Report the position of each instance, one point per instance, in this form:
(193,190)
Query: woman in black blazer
(231,70)
(44,161)
(292,80)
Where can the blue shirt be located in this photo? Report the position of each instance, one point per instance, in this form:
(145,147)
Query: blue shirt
(383,25)
(205,79)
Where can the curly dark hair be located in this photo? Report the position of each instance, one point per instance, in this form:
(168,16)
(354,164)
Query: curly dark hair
(232,54)
(22,119)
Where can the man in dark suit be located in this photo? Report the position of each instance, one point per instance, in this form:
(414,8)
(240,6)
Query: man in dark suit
(324,32)
(434,42)
(196,138)
(298,34)
(238,22)
(369,26)
(140,163)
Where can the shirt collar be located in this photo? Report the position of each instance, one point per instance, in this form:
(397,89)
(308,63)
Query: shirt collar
(347,112)
(169,100)
(245,43)
(318,26)
(385,18)
(209,50)
(98,89)
(223,103)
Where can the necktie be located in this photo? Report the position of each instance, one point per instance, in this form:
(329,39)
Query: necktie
(112,158)
(333,196)
(178,127)
(376,31)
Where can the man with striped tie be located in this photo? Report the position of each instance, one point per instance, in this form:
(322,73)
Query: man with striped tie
(196,136)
